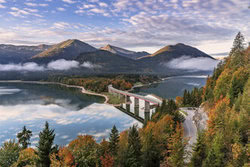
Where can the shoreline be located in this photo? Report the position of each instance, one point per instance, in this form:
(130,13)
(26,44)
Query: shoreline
(82,89)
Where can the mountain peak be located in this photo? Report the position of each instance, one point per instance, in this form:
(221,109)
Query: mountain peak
(68,48)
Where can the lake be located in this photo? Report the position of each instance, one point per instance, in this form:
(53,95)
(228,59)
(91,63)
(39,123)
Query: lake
(70,112)
(172,86)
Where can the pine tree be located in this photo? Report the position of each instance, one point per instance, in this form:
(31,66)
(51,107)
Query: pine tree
(46,138)
(134,148)
(24,137)
(114,140)
(238,44)
(151,155)
(199,151)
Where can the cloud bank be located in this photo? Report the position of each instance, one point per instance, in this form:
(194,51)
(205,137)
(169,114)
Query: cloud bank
(196,64)
(60,65)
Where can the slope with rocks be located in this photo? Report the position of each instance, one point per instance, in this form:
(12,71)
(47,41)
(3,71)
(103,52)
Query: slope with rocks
(124,52)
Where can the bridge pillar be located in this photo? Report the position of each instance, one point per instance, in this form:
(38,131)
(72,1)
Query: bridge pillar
(127,98)
(136,107)
(147,111)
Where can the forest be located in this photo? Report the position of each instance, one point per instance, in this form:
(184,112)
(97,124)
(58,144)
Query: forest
(224,143)
(100,84)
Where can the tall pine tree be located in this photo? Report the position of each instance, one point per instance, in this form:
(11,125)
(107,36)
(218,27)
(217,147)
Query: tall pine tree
(134,148)
(113,141)
(46,138)
(24,137)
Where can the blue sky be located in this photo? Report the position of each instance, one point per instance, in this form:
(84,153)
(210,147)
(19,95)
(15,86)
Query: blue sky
(146,25)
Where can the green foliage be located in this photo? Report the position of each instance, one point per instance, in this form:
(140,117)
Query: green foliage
(84,150)
(238,44)
(193,98)
(216,156)
(113,141)
(9,153)
(24,137)
(134,148)
(151,154)
(199,151)
(44,148)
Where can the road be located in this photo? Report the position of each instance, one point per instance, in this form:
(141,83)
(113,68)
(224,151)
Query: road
(190,126)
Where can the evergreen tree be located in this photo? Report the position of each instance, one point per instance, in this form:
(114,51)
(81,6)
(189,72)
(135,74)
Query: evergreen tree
(238,44)
(151,155)
(24,137)
(46,138)
(199,151)
(114,140)
(134,148)
(9,153)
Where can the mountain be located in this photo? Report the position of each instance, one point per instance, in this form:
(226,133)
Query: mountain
(159,61)
(106,61)
(68,50)
(124,52)
(175,51)
(17,54)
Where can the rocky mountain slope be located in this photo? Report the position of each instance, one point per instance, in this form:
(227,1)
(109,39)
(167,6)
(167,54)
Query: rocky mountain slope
(123,52)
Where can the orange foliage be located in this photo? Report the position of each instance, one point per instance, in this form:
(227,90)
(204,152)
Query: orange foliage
(65,158)
(179,100)
(216,116)
(107,160)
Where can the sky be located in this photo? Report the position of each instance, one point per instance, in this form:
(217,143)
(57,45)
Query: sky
(140,25)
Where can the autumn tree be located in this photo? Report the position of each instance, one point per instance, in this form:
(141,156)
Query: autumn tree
(46,139)
(27,157)
(107,160)
(63,158)
(84,151)
(176,147)
(24,137)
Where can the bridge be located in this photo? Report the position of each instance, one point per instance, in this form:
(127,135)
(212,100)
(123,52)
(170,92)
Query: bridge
(150,102)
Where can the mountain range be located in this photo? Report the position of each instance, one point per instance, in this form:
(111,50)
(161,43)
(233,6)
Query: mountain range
(108,59)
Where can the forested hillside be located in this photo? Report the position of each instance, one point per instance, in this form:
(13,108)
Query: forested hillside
(160,142)
(226,97)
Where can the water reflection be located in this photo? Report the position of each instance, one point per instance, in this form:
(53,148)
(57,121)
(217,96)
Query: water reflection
(69,112)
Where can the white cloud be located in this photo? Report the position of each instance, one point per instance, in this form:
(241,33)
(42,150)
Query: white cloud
(35,4)
(2,1)
(69,1)
(2,6)
(63,64)
(61,9)
(90,65)
(60,25)
(102,4)
(21,67)
(188,63)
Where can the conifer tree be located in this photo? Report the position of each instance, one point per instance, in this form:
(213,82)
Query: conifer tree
(238,44)
(199,151)
(24,137)
(46,138)
(134,148)
(151,155)
(114,140)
